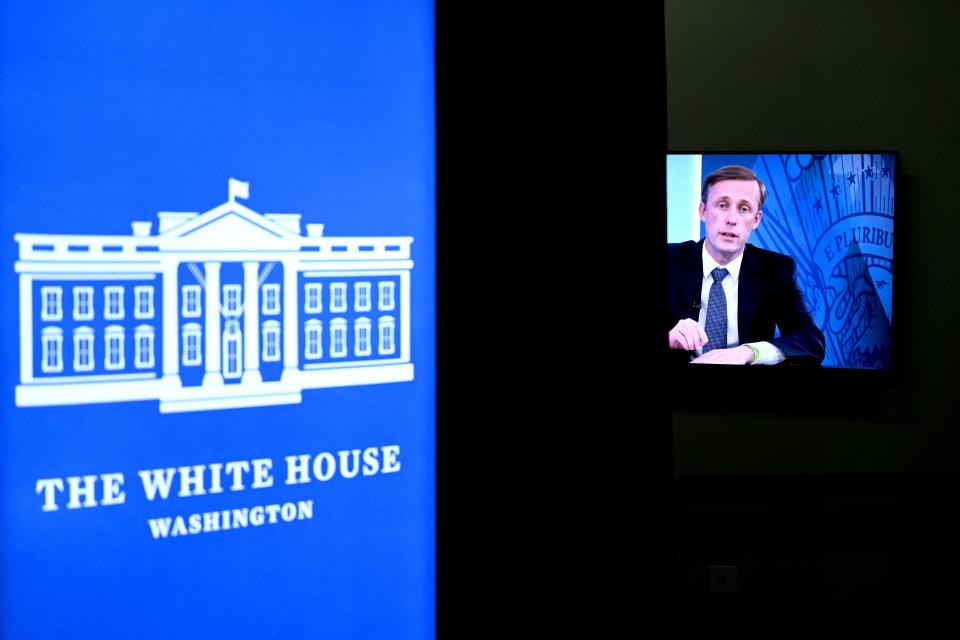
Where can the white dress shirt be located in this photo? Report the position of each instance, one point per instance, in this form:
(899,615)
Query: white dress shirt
(769,354)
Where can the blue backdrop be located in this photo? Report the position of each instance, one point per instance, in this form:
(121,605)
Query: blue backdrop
(112,111)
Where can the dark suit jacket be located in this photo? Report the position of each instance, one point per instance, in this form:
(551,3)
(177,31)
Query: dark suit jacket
(768,298)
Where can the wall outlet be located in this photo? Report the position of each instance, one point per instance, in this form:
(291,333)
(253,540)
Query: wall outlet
(723,578)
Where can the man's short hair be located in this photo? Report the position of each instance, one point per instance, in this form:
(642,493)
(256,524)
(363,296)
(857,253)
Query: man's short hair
(732,172)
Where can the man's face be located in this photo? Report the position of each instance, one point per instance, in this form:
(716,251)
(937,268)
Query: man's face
(731,212)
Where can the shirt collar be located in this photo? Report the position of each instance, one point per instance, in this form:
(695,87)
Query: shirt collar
(733,267)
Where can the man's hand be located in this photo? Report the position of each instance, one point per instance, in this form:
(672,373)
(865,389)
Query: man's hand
(737,355)
(687,335)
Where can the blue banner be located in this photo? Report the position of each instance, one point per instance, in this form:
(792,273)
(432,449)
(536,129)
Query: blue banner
(217,382)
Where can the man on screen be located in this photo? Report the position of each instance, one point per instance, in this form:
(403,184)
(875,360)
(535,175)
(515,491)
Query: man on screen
(727,297)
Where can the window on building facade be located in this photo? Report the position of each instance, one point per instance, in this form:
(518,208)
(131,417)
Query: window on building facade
(271,299)
(51,356)
(232,350)
(386,296)
(113,347)
(113,303)
(143,345)
(361,338)
(191,344)
(83,349)
(83,303)
(191,301)
(386,345)
(312,345)
(338,338)
(143,305)
(361,296)
(338,297)
(271,341)
(231,300)
(312,301)
(52,303)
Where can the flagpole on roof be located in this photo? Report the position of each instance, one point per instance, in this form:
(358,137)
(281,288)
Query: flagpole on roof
(237,189)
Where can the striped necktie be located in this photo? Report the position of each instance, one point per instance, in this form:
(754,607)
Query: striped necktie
(716,313)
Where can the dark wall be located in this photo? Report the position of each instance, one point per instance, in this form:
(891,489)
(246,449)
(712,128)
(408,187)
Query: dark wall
(836,75)
(549,118)
(868,550)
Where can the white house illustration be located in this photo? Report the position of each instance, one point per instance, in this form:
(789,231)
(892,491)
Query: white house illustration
(221,309)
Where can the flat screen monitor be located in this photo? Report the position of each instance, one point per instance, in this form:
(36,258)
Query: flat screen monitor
(831,214)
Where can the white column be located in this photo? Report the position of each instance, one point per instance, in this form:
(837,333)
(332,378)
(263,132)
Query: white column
(251,323)
(291,322)
(26,328)
(211,272)
(403,297)
(170,324)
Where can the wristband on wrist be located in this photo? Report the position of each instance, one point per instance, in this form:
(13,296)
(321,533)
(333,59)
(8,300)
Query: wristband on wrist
(756,353)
